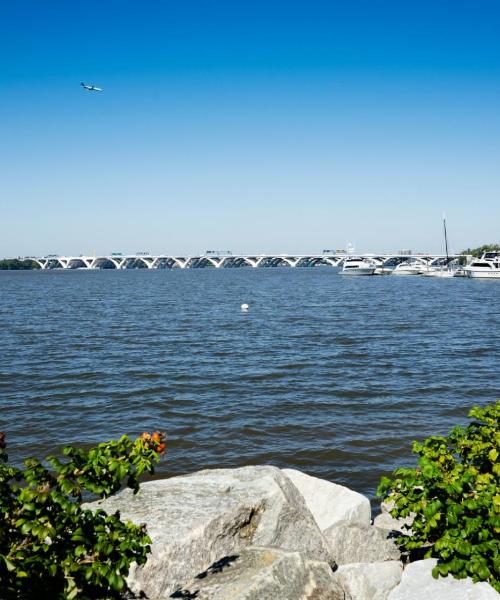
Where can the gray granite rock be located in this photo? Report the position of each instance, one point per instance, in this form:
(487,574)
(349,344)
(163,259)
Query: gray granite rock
(417,583)
(329,502)
(264,573)
(385,521)
(198,519)
(353,544)
(372,581)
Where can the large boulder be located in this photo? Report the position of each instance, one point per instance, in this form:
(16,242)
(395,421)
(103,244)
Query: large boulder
(264,573)
(354,544)
(197,519)
(417,583)
(331,503)
(372,581)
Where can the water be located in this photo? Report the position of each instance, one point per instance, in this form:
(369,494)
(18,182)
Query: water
(328,374)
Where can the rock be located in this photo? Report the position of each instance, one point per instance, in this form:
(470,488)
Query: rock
(372,581)
(417,583)
(385,521)
(354,544)
(264,573)
(329,502)
(197,519)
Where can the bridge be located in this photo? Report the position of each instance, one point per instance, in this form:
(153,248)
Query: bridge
(163,261)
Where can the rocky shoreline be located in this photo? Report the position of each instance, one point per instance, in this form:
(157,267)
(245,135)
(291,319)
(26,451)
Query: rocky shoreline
(263,533)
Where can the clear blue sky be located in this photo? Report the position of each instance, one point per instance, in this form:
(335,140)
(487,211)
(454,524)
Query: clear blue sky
(252,126)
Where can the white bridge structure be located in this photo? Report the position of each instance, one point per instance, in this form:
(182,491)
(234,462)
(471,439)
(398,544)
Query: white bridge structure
(208,260)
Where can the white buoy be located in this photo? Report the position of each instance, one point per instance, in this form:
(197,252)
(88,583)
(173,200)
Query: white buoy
(244,307)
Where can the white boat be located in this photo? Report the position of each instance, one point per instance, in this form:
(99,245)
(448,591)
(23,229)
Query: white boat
(387,266)
(442,267)
(439,272)
(358,265)
(412,266)
(486,267)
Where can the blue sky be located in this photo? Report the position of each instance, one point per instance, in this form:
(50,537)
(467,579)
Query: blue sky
(251,126)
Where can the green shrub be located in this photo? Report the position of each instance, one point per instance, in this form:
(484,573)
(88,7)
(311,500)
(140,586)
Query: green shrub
(52,548)
(454,494)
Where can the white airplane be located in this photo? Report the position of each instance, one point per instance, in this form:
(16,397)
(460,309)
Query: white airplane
(90,88)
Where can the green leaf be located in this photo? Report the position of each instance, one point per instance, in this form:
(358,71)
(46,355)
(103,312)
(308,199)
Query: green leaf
(9,564)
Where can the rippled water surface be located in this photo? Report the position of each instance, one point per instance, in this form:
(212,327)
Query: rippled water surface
(328,374)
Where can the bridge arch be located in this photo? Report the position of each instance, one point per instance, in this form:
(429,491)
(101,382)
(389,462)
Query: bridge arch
(199,262)
(147,261)
(277,261)
(163,262)
(334,262)
(103,262)
(77,263)
(314,261)
(42,263)
(231,262)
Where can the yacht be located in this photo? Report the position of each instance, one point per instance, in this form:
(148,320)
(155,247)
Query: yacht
(358,265)
(387,266)
(486,267)
(412,266)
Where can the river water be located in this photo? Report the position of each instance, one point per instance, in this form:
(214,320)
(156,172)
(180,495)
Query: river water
(328,374)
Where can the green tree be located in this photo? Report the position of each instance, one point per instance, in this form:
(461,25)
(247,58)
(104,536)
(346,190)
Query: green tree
(15,264)
(480,250)
(454,494)
(50,547)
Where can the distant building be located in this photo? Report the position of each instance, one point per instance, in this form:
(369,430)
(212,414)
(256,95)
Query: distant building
(405,252)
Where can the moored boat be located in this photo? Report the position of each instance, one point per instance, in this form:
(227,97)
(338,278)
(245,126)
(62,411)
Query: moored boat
(358,265)
(486,267)
(442,267)
(412,266)
(440,272)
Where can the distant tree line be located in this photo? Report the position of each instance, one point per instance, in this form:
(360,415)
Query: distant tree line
(14,264)
(478,252)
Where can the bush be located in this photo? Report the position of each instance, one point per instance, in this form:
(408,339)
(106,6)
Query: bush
(52,548)
(454,494)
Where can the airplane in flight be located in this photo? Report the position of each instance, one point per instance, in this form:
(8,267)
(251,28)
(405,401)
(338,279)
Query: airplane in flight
(90,87)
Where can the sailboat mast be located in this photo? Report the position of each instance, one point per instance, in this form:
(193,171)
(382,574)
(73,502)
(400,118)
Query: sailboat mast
(445,237)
